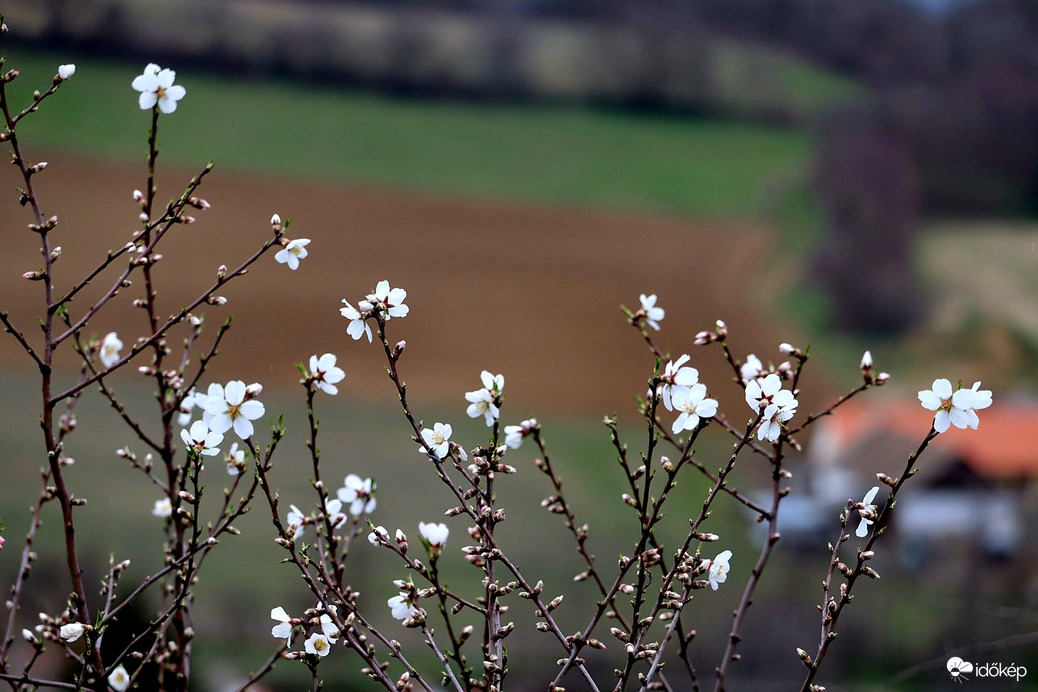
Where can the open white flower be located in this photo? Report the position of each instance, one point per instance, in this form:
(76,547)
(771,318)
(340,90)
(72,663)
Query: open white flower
(652,314)
(163,508)
(693,405)
(157,88)
(768,391)
(110,347)
(752,369)
(118,679)
(514,434)
(957,408)
(333,510)
(292,253)
(402,606)
(317,644)
(675,376)
(282,630)
(389,300)
(435,535)
(325,374)
(436,440)
(296,522)
(229,409)
(201,439)
(772,419)
(719,568)
(72,631)
(235,459)
(867,513)
(328,627)
(66,71)
(359,494)
(358,325)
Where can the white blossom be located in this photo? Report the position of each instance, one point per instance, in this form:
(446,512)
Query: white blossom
(163,508)
(378,536)
(235,459)
(72,631)
(119,679)
(325,374)
(317,644)
(867,513)
(652,314)
(292,253)
(230,409)
(434,534)
(693,405)
(402,606)
(514,434)
(333,510)
(66,71)
(157,88)
(957,408)
(282,630)
(718,571)
(199,437)
(296,522)
(358,325)
(752,369)
(482,402)
(358,493)
(436,440)
(329,628)
(390,301)
(110,347)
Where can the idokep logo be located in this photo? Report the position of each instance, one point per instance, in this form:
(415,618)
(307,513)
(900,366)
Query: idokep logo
(961,670)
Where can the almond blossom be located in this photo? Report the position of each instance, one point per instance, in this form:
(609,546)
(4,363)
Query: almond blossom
(157,89)
(325,374)
(483,402)
(752,369)
(163,508)
(436,441)
(295,522)
(294,251)
(693,405)
(110,347)
(650,312)
(317,644)
(202,440)
(867,512)
(402,606)
(229,408)
(435,535)
(235,459)
(718,569)
(358,493)
(514,434)
(119,679)
(957,408)
(358,325)
(66,71)
(282,630)
(389,301)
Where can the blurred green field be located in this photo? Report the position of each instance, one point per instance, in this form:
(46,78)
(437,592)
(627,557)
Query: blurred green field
(574,156)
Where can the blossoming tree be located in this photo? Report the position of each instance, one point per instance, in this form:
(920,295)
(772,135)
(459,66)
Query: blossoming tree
(638,629)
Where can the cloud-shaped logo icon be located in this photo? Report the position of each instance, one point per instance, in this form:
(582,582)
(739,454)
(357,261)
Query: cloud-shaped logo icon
(958,668)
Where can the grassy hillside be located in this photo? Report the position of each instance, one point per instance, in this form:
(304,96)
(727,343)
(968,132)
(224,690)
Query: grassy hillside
(537,153)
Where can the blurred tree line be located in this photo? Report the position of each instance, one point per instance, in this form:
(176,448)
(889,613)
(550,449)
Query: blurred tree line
(943,118)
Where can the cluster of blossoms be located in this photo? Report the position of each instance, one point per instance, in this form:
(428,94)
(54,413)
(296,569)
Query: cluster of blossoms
(224,407)
(774,405)
(319,643)
(357,496)
(385,302)
(434,537)
(681,391)
(958,408)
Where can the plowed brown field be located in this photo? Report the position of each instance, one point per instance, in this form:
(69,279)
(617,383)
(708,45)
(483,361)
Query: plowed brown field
(529,292)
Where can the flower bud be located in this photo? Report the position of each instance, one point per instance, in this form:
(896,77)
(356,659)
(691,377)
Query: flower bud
(66,71)
(253,390)
(275,221)
(866,361)
(138,196)
(72,631)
